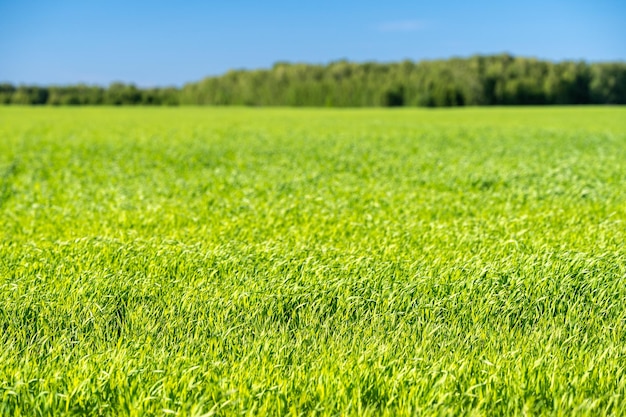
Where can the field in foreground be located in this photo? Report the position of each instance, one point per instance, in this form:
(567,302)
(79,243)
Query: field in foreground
(245,261)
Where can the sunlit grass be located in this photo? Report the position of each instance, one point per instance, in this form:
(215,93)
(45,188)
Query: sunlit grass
(248,261)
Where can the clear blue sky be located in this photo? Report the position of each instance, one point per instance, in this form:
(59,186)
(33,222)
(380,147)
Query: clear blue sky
(155,43)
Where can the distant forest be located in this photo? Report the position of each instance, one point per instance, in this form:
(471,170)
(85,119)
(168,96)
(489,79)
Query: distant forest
(474,81)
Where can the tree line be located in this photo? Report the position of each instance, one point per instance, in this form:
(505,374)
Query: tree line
(116,94)
(478,80)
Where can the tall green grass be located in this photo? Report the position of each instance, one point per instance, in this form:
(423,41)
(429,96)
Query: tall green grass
(321,262)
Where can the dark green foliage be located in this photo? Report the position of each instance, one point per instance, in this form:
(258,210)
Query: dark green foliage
(6,92)
(76,95)
(29,95)
(478,80)
(608,83)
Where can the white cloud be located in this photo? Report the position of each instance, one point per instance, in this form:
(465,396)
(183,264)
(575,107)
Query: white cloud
(401,26)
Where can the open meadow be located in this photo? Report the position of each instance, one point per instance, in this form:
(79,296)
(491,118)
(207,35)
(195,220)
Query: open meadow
(244,261)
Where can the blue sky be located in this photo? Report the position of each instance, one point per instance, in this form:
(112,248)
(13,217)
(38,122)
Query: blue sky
(157,43)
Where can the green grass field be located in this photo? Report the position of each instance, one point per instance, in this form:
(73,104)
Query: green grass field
(201,261)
